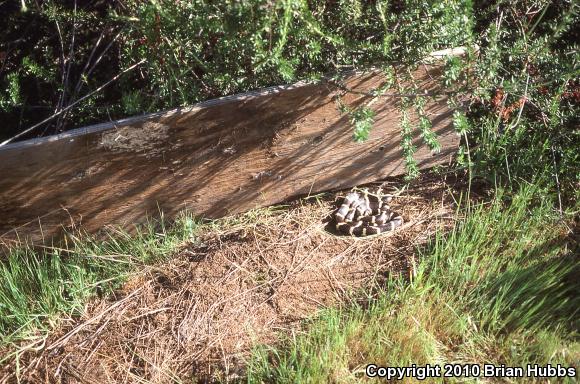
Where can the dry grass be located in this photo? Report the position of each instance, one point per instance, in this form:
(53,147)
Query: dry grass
(248,279)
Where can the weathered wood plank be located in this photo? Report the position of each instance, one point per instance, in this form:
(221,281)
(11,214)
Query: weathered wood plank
(219,157)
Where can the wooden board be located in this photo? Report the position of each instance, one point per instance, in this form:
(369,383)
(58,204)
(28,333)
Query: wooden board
(216,158)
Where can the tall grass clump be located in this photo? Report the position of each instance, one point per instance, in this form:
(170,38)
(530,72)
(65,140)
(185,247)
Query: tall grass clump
(500,288)
(41,287)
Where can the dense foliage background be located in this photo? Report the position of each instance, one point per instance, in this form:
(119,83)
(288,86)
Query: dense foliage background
(91,61)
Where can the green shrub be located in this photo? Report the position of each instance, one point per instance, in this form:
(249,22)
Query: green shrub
(196,50)
(524,109)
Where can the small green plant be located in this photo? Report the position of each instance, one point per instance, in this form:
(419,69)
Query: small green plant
(407,144)
(425,125)
(362,119)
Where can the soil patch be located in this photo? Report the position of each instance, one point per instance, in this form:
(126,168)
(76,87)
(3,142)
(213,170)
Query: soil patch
(148,138)
(250,278)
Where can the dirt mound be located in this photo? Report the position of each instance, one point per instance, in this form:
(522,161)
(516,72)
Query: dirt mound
(251,277)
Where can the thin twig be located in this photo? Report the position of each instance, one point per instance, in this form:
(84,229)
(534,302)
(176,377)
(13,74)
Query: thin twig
(86,72)
(70,60)
(524,98)
(63,63)
(557,181)
(76,330)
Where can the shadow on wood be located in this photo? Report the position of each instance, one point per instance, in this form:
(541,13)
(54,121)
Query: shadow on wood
(217,158)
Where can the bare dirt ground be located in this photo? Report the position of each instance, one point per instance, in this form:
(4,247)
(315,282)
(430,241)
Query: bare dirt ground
(249,280)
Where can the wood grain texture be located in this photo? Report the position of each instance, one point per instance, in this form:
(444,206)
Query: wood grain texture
(217,158)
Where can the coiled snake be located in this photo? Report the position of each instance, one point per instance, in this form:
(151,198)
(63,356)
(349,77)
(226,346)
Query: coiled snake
(365,213)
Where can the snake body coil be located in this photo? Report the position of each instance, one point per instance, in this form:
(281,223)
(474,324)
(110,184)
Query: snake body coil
(363,214)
